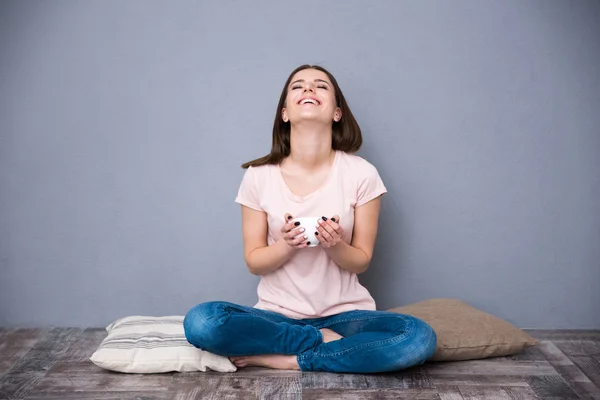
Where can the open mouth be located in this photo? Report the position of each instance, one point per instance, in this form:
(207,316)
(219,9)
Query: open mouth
(309,101)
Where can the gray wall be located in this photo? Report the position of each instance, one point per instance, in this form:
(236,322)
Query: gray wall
(123,125)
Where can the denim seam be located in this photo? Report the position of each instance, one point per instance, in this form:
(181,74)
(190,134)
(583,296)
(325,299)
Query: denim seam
(326,324)
(252,312)
(427,346)
(360,346)
(257,313)
(205,319)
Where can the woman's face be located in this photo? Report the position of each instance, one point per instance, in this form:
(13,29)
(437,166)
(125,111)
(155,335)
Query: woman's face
(310,96)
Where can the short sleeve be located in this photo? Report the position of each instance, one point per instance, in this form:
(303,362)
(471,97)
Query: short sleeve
(370,184)
(248,191)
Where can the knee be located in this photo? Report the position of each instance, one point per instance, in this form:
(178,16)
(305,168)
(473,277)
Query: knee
(425,340)
(203,324)
(415,346)
(422,341)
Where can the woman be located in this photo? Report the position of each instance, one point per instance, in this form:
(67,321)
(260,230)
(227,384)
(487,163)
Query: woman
(312,313)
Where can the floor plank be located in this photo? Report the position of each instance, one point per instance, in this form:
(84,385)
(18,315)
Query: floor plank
(84,345)
(478,380)
(53,363)
(289,388)
(564,334)
(108,381)
(590,366)
(579,348)
(551,387)
(485,367)
(571,373)
(105,395)
(242,372)
(18,386)
(218,388)
(496,393)
(531,353)
(449,393)
(67,369)
(339,394)
(15,343)
(410,379)
(29,370)
(58,339)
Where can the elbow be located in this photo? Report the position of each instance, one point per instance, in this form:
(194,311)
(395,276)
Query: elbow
(254,271)
(251,266)
(363,268)
(359,267)
(365,264)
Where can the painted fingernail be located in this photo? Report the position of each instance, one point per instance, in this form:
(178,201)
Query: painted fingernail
(307,242)
(289,217)
(297,223)
(301,229)
(324,218)
(333,219)
(316,233)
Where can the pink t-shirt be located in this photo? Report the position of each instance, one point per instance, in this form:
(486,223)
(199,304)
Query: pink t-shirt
(310,284)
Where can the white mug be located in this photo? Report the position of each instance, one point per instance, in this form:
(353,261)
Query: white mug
(310,227)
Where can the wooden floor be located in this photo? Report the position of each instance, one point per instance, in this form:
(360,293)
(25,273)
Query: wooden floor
(54,364)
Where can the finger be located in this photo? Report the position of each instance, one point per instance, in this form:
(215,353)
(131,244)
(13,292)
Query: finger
(287,217)
(326,225)
(334,223)
(294,233)
(289,226)
(299,241)
(319,236)
(324,234)
(335,218)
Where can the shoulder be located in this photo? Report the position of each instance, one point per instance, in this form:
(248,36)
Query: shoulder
(364,175)
(357,164)
(253,186)
(260,173)
(260,178)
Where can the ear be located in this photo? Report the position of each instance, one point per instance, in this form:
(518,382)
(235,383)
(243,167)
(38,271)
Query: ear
(337,115)
(284,115)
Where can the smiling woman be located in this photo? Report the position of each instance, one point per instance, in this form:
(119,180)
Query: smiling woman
(312,312)
(345,132)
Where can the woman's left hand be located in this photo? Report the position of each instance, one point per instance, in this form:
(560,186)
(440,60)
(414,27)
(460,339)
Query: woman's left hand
(329,232)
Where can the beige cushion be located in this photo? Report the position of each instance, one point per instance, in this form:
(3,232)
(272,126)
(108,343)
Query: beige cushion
(146,344)
(466,333)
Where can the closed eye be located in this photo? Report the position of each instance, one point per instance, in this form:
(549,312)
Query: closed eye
(318,86)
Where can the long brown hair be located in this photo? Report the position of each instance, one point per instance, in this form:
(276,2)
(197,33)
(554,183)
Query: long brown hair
(346,132)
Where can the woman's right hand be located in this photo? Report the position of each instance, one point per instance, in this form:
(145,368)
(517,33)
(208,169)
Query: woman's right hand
(291,233)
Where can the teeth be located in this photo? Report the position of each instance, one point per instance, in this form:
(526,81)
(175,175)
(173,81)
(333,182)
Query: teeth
(309,101)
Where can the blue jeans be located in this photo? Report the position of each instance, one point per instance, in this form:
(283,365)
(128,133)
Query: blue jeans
(374,341)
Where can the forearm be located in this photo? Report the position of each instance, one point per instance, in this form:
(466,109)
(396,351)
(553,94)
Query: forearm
(264,260)
(348,257)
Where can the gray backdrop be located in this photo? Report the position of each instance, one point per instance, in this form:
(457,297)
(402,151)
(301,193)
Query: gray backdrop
(123,126)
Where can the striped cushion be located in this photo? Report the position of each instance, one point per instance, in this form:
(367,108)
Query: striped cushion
(141,344)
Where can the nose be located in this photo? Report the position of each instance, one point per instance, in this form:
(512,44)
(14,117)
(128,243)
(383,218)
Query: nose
(308,87)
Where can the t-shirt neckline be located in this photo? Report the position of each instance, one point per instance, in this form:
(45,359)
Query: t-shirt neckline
(315,192)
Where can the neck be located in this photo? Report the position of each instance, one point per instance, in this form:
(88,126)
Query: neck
(310,146)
